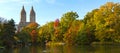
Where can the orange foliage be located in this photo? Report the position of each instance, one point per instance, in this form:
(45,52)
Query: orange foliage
(34,35)
(32,24)
(56,23)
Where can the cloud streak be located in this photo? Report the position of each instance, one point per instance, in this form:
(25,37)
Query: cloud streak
(19,1)
(27,1)
(50,1)
(7,1)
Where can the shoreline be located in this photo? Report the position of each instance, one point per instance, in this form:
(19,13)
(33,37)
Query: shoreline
(105,43)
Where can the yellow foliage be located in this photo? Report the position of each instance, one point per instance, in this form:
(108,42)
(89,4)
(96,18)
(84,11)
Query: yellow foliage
(32,24)
(16,38)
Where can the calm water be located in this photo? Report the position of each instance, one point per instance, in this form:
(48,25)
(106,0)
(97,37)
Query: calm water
(65,49)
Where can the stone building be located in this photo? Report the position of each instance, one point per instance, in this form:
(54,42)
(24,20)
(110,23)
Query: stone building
(23,18)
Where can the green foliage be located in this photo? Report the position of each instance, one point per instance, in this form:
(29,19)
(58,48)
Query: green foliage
(67,19)
(7,33)
(82,38)
(28,33)
(106,20)
(85,36)
(70,35)
(66,23)
(46,32)
(24,37)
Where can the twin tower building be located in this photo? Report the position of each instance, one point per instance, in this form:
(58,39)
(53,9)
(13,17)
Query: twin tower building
(23,18)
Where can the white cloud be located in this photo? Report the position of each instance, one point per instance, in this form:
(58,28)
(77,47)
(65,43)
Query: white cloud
(37,0)
(27,1)
(6,1)
(51,1)
(3,1)
(19,1)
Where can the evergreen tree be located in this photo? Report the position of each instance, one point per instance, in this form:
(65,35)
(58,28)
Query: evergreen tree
(8,33)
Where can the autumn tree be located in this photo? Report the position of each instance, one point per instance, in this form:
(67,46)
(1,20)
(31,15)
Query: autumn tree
(28,33)
(46,33)
(66,22)
(72,33)
(106,19)
(100,24)
(58,37)
(89,25)
(103,22)
(32,30)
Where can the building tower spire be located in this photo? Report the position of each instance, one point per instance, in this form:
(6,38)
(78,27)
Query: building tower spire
(32,15)
(23,15)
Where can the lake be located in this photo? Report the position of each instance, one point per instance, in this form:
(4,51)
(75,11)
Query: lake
(65,49)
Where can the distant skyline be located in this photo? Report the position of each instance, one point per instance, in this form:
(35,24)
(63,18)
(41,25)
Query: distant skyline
(48,10)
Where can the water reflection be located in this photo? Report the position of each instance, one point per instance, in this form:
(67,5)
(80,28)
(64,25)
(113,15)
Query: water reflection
(64,49)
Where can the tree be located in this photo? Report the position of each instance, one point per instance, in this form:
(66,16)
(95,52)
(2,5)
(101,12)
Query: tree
(72,33)
(58,37)
(32,25)
(46,33)
(2,21)
(33,31)
(106,22)
(28,33)
(89,25)
(8,33)
(66,21)
(24,37)
(85,35)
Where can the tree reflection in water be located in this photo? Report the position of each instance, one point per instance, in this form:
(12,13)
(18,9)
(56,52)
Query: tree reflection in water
(64,49)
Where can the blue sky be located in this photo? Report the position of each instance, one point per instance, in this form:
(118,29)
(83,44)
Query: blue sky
(48,10)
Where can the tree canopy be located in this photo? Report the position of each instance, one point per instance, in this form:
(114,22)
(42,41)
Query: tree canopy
(99,25)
